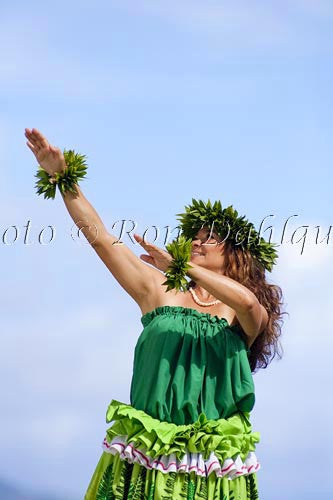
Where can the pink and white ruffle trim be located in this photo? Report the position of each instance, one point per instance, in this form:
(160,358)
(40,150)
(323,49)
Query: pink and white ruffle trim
(190,462)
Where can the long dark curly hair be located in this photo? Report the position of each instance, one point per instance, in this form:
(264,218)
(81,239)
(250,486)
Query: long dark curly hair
(242,267)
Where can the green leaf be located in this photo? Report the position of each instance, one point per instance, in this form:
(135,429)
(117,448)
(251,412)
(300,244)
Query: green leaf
(76,170)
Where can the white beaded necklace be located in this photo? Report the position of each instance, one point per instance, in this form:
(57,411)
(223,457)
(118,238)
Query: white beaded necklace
(199,302)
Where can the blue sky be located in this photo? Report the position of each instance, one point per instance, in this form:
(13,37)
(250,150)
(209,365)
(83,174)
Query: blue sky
(169,101)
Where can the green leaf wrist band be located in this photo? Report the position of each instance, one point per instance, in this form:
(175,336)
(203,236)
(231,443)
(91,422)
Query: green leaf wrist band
(65,180)
(180,249)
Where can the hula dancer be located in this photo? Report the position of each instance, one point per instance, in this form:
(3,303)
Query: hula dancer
(210,319)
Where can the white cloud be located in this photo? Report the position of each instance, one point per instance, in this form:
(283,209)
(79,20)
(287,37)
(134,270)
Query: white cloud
(303,253)
(56,432)
(293,394)
(246,25)
(253,22)
(30,65)
(305,279)
(104,84)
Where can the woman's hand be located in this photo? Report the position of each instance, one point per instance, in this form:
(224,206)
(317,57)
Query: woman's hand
(49,158)
(158,257)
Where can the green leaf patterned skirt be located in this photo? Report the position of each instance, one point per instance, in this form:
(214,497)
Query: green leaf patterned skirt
(145,458)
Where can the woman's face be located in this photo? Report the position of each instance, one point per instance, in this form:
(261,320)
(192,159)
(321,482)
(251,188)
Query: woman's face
(207,250)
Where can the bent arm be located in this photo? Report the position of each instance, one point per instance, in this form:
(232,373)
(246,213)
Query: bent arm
(136,277)
(251,315)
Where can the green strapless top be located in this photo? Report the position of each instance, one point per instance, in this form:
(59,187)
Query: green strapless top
(186,362)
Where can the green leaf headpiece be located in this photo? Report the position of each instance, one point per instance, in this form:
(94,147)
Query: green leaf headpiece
(229,226)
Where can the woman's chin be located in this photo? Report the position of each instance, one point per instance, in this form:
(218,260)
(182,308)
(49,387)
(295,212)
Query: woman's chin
(197,259)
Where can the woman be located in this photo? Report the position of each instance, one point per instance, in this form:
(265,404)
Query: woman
(186,432)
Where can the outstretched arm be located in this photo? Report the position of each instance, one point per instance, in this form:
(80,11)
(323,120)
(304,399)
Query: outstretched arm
(136,277)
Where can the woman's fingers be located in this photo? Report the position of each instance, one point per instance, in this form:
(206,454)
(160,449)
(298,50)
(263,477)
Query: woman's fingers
(42,141)
(157,256)
(53,150)
(147,258)
(140,240)
(36,138)
(32,147)
(29,134)
(149,247)
(32,139)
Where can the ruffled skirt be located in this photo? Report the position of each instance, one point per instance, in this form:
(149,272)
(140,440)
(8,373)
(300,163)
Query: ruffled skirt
(149,459)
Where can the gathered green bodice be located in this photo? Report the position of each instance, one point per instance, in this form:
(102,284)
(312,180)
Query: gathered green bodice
(186,362)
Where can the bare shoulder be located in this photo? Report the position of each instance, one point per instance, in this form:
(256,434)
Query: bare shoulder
(160,296)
